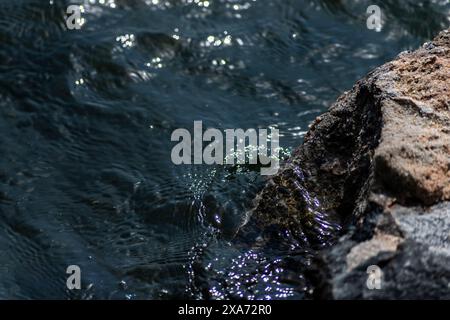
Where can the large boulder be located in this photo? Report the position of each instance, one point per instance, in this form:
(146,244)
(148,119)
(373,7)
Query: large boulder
(378,164)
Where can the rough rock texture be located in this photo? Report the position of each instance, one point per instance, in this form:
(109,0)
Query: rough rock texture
(379,162)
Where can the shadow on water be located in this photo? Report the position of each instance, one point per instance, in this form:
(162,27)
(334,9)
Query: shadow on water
(86,118)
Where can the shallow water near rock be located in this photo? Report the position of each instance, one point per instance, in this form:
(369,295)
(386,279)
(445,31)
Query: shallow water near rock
(86,117)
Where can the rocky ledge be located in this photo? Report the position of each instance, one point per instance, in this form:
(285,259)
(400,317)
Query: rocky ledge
(379,162)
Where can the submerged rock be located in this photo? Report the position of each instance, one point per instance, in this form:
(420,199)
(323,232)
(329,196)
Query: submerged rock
(379,162)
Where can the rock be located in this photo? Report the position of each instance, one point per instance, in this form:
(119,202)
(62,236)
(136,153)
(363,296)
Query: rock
(415,265)
(377,163)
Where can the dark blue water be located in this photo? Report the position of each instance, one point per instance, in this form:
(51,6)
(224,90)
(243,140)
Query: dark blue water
(86,117)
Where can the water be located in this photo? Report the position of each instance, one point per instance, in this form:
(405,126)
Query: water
(86,118)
